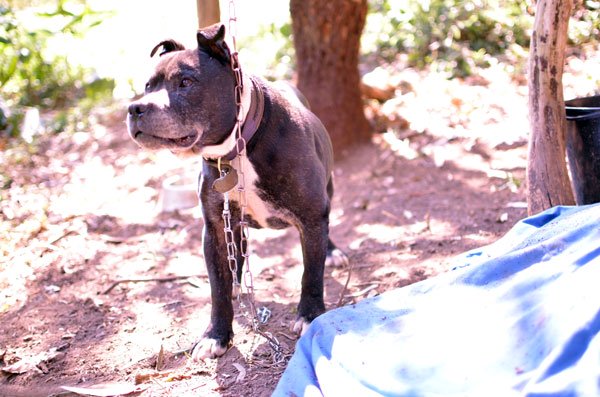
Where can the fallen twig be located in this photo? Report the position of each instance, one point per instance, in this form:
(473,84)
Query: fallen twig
(370,283)
(346,284)
(361,292)
(292,338)
(146,280)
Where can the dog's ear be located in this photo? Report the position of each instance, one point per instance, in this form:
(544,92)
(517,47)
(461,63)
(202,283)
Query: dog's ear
(167,46)
(212,41)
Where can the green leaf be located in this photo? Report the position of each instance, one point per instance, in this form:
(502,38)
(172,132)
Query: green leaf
(10,71)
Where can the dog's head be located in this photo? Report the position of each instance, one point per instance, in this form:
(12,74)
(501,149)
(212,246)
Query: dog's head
(189,100)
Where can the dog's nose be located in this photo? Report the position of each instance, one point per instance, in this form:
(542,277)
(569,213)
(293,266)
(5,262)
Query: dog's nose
(137,109)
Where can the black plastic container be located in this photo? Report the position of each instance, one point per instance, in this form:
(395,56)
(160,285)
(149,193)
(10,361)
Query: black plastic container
(583,147)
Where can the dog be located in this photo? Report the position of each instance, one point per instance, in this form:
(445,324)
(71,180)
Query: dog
(189,105)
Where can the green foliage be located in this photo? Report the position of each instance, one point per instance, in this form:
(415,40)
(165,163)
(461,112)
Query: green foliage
(450,34)
(273,42)
(32,76)
(584,26)
(456,35)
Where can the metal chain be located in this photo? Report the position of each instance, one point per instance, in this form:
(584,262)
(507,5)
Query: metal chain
(229,237)
(256,319)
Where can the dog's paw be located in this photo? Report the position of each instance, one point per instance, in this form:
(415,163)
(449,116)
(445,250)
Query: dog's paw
(300,326)
(208,348)
(337,258)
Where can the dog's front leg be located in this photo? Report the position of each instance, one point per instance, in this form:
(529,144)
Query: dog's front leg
(314,240)
(219,333)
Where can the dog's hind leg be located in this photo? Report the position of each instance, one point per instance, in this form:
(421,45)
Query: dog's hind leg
(314,242)
(335,256)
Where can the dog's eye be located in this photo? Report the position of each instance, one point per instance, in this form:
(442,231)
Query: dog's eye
(185,82)
(147,87)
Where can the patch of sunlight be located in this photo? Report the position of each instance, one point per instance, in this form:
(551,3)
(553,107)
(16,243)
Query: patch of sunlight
(184,263)
(91,184)
(336,215)
(380,233)
(401,147)
(91,188)
(150,313)
(13,285)
(147,341)
(385,234)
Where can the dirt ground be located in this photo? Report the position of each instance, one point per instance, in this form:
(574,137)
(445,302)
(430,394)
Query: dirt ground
(100,288)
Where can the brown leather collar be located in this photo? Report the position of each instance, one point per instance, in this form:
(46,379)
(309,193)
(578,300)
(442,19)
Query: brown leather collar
(253,119)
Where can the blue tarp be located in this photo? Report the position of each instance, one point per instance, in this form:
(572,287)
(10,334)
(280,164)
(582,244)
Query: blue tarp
(520,317)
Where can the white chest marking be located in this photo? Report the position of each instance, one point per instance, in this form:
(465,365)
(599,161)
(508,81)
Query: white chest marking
(257,208)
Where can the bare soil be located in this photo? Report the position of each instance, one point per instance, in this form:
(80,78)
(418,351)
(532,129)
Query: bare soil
(99,287)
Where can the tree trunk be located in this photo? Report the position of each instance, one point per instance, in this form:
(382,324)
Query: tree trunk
(208,12)
(547,176)
(327,41)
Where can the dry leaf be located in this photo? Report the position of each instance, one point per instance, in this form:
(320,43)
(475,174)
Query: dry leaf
(160,359)
(31,363)
(242,372)
(26,364)
(113,239)
(503,217)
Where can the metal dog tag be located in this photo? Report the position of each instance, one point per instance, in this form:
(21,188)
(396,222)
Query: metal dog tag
(227,181)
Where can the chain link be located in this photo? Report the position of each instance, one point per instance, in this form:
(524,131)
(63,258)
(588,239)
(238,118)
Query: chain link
(229,236)
(278,356)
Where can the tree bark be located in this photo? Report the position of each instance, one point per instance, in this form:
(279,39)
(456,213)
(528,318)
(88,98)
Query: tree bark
(208,12)
(547,177)
(327,42)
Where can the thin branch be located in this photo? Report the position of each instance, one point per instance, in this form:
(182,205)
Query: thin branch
(339,304)
(154,279)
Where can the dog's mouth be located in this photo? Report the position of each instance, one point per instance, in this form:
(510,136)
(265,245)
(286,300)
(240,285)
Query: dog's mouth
(184,142)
